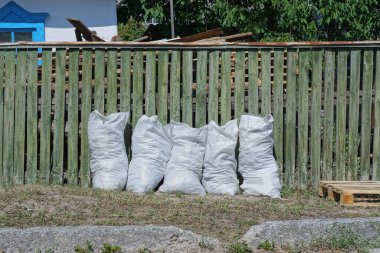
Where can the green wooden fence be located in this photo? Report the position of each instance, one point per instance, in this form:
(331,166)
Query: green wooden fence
(325,99)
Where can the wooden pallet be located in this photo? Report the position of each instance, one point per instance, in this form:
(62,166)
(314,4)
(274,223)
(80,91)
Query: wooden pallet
(352,193)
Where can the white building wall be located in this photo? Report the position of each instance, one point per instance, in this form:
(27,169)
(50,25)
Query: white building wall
(98,15)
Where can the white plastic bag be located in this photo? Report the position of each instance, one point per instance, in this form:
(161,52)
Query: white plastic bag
(184,169)
(109,160)
(256,162)
(151,147)
(219,166)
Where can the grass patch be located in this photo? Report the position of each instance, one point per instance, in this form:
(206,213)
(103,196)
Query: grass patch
(107,248)
(344,239)
(239,247)
(223,217)
(266,245)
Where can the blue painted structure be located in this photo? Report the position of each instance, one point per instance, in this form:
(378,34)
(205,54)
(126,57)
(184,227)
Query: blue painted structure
(13,18)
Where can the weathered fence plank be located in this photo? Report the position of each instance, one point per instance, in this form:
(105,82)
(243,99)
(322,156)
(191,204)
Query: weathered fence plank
(315,139)
(187,87)
(150,83)
(125,93)
(20,104)
(99,80)
(365,148)
(84,173)
(9,93)
(138,86)
(303,117)
(290,131)
(2,61)
(278,103)
(32,118)
(125,80)
(353,123)
(163,70)
(225,92)
(201,93)
(328,115)
(175,82)
(253,77)
(213,88)
(341,115)
(111,81)
(72,121)
(265,82)
(239,83)
(376,130)
(59,116)
(45,151)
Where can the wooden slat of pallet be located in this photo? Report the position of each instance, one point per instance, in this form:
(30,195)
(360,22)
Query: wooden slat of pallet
(349,193)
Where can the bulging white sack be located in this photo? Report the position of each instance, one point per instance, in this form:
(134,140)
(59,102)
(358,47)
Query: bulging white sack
(184,169)
(256,162)
(151,147)
(219,166)
(109,161)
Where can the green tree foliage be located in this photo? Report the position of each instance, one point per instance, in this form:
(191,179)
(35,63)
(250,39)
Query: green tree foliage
(270,20)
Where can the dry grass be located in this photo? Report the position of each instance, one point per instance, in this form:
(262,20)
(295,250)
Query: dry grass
(223,217)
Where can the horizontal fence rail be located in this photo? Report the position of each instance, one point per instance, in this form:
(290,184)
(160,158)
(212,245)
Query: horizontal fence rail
(325,99)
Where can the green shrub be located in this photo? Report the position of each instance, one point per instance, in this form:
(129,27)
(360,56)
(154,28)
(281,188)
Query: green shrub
(131,30)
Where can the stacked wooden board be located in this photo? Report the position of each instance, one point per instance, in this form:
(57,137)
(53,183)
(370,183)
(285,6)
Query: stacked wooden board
(352,193)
